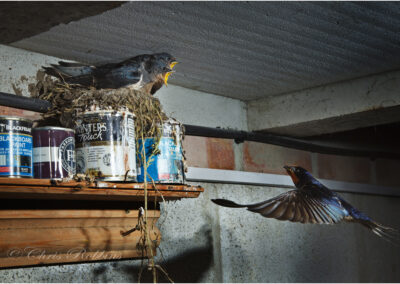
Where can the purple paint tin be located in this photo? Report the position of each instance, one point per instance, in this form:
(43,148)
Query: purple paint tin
(53,152)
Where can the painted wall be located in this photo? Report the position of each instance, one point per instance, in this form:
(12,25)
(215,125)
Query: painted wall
(205,243)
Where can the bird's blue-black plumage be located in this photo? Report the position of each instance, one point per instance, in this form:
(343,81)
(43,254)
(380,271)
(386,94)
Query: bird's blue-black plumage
(142,72)
(312,202)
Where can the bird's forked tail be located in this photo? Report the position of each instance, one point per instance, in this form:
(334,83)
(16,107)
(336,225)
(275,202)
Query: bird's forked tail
(387,233)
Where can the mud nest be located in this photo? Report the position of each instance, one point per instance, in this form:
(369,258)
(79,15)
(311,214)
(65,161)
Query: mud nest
(69,99)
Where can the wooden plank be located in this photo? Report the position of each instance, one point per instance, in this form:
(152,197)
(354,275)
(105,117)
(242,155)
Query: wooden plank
(46,189)
(73,257)
(89,193)
(72,213)
(98,184)
(30,237)
(17,223)
(25,242)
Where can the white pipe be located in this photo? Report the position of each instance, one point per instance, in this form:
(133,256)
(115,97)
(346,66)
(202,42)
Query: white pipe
(251,178)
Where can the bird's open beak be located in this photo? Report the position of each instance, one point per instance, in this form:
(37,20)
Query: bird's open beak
(166,77)
(291,173)
(173,63)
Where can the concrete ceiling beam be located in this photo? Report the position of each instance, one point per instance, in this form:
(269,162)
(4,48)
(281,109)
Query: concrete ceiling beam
(341,106)
(21,19)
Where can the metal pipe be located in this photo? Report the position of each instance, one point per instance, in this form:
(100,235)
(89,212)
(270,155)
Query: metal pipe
(290,142)
(26,103)
(42,106)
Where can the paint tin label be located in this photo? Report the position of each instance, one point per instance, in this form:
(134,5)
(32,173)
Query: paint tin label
(67,155)
(54,153)
(106,145)
(15,148)
(165,167)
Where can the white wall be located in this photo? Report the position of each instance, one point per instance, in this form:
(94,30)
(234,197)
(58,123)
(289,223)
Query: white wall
(19,67)
(198,108)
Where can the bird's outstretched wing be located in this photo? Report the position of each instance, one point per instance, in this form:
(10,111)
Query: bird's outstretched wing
(296,206)
(308,206)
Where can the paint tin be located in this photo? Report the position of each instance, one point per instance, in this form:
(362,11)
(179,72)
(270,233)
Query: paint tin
(15,147)
(105,145)
(167,165)
(54,152)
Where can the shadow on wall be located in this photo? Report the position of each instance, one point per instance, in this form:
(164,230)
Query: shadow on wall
(189,266)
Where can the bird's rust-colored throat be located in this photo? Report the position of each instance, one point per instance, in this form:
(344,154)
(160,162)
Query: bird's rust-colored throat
(291,173)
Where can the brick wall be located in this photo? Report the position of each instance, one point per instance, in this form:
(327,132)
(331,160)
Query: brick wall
(265,158)
(19,112)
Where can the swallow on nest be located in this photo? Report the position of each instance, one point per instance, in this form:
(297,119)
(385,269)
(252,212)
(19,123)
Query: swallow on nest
(312,202)
(146,72)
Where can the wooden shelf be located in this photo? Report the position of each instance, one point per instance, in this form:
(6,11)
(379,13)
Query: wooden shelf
(46,189)
(37,237)
(65,235)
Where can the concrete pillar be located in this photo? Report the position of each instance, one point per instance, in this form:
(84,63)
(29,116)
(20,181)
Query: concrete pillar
(336,107)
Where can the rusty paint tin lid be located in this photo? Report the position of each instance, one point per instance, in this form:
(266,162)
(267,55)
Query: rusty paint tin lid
(53,128)
(96,110)
(172,121)
(15,118)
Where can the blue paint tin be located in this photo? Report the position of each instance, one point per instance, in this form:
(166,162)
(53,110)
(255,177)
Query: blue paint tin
(16,147)
(166,166)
